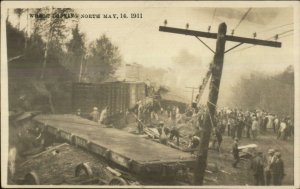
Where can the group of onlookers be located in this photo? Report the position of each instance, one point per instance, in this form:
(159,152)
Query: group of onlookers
(268,170)
(251,123)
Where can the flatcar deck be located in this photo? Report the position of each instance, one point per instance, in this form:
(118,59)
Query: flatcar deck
(124,148)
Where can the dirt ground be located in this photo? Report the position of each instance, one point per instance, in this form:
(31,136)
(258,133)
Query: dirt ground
(242,175)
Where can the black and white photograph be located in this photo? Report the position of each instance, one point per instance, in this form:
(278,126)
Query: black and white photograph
(149,94)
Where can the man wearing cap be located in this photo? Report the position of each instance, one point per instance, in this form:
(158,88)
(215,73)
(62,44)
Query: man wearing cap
(95,114)
(235,152)
(277,169)
(268,161)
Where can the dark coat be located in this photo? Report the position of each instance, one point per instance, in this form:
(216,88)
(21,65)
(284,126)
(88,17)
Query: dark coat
(257,166)
(235,150)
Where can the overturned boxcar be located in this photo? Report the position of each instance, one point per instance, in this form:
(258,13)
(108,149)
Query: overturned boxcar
(118,96)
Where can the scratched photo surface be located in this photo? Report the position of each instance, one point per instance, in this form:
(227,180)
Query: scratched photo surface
(148,95)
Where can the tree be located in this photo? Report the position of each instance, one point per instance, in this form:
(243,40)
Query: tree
(271,93)
(52,29)
(76,52)
(19,13)
(103,59)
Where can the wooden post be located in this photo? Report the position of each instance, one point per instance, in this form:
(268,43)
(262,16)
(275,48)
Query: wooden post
(217,67)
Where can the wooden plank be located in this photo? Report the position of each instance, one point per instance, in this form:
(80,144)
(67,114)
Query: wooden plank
(214,36)
(128,145)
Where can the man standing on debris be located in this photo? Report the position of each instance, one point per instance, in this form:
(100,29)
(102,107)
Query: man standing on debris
(268,161)
(277,169)
(194,143)
(174,133)
(162,130)
(257,166)
(103,116)
(235,152)
(95,114)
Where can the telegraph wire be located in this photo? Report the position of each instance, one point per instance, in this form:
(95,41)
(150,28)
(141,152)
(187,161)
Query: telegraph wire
(276,27)
(279,37)
(283,33)
(243,18)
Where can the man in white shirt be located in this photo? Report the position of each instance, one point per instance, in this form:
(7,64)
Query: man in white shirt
(103,116)
(282,130)
(254,127)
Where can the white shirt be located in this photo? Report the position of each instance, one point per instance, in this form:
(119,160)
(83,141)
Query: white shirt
(282,126)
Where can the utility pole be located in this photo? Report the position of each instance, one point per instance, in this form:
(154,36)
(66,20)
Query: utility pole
(216,73)
(193,88)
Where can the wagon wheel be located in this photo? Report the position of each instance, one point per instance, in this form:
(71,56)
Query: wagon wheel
(31,178)
(83,169)
(117,181)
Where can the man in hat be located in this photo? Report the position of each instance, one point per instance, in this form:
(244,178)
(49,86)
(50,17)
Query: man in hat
(235,152)
(257,166)
(277,169)
(95,114)
(268,161)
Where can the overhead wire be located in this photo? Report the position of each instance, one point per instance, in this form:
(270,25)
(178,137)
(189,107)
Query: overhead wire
(279,37)
(276,27)
(243,18)
(286,36)
(282,33)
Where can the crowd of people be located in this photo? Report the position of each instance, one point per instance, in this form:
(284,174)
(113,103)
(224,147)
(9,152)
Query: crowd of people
(249,124)
(235,123)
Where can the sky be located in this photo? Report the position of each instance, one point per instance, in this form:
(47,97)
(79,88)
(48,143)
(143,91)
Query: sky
(140,41)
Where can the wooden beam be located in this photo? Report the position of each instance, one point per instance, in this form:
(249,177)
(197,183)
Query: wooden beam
(253,41)
(214,36)
(188,32)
